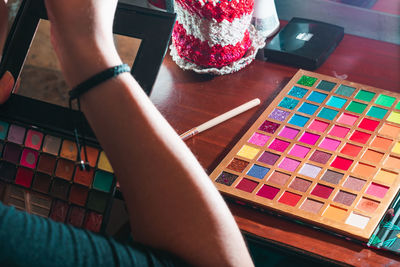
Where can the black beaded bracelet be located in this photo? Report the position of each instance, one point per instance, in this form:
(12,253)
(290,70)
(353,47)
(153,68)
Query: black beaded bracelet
(97,79)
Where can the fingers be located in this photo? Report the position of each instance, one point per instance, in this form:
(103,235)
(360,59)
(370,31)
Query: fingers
(6,86)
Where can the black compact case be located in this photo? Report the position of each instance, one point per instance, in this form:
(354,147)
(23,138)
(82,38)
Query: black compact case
(304,43)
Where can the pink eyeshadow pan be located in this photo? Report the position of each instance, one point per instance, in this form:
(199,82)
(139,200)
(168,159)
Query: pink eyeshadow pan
(268,192)
(258,139)
(322,191)
(339,131)
(299,151)
(279,145)
(289,133)
(347,119)
(329,144)
(377,190)
(247,185)
(319,126)
(309,138)
(289,164)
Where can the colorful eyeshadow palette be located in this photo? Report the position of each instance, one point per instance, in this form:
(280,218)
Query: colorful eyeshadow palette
(325,151)
(39,174)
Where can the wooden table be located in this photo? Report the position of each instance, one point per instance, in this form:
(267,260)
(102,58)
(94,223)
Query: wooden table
(187,99)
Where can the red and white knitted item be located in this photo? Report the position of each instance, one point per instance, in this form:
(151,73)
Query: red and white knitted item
(214,36)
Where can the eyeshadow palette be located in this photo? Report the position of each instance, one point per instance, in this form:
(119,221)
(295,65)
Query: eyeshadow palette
(325,151)
(39,175)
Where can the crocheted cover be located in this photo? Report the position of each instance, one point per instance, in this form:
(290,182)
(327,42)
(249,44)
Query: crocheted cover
(212,34)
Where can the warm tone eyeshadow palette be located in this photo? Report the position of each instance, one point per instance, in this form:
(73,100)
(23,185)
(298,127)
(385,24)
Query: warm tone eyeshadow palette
(326,151)
(39,172)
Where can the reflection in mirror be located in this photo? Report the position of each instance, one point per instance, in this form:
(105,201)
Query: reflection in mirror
(41,77)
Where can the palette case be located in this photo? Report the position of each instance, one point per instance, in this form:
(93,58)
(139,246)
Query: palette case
(325,152)
(38,152)
(304,43)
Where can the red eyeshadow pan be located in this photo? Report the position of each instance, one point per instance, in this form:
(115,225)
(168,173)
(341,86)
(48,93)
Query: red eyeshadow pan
(76,216)
(34,139)
(360,137)
(322,191)
(247,185)
(93,221)
(78,195)
(289,198)
(351,150)
(84,177)
(59,211)
(368,124)
(342,163)
(24,177)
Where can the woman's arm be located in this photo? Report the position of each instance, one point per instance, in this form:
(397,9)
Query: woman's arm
(171,201)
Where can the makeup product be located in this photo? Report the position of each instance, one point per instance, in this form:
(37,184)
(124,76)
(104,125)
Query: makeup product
(221,118)
(38,151)
(304,43)
(325,151)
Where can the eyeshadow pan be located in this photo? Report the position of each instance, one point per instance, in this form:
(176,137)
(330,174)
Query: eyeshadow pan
(348,119)
(268,192)
(16,134)
(365,95)
(335,213)
(298,92)
(396,148)
(84,177)
(92,155)
(78,195)
(380,142)
(33,139)
(256,171)
(7,171)
(332,177)
(3,129)
(289,198)
(357,220)
(97,201)
(41,182)
(247,185)
(312,206)
(345,90)
(339,131)
(385,100)
(342,163)
(298,120)
(279,115)
(322,191)
(299,151)
(372,156)
(226,178)
(300,184)
(51,144)
(76,216)
(317,97)
(266,126)
(246,152)
(24,177)
(279,145)
(351,150)
(29,158)
(326,86)
(103,181)
(336,102)
(310,170)
(46,163)
(398,105)
(367,205)
(268,158)
(356,107)
(368,124)
(392,162)
(93,221)
(279,178)
(318,125)
(59,211)
(320,156)
(345,198)
(309,138)
(354,183)
(237,165)
(288,132)
(327,113)
(307,80)
(288,103)
(377,190)
(376,112)
(59,188)
(69,150)
(65,169)
(289,164)
(12,152)
(360,137)
(394,117)
(329,144)
(308,108)
(259,139)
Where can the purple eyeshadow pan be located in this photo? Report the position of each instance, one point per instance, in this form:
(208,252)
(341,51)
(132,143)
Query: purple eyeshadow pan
(268,158)
(16,134)
(279,115)
(269,127)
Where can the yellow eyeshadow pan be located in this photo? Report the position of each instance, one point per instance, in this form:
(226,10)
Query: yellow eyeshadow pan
(324,157)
